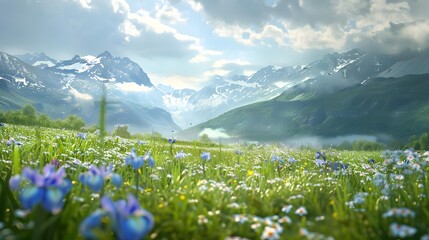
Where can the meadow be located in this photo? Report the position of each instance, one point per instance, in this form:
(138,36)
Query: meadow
(61,184)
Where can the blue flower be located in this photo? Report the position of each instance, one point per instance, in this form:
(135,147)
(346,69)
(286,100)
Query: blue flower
(14,182)
(205,156)
(338,166)
(172,140)
(128,220)
(276,158)
(12,141)
(134,160)
(149,159)
(371,160)
(48,189)
(81,135)
(238,152)
(320,155)
(180,155)
(94,177)
(116,180)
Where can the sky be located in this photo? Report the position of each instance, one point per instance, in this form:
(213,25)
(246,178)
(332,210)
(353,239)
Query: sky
(185,43)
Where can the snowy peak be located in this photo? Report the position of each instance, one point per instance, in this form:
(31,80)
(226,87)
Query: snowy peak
(38,60)
(104,68)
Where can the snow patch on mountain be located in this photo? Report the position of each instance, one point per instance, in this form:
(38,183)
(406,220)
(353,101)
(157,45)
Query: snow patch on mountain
(80,96)
(133,87)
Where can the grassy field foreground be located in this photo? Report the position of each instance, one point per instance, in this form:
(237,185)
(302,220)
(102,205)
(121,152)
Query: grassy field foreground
(59,185)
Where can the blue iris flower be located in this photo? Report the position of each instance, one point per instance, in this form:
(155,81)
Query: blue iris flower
(138,161)
(150,161)
(116,180)
(47,189)
(205,156)
(94,177)
(128,220)
(134,160)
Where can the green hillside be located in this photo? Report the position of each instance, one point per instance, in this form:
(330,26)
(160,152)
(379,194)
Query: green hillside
(396,107)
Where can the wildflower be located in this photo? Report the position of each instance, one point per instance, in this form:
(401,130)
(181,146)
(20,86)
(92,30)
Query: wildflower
(401,230)
(12,141)
(48,189)
(116,180)
(270,233)
(285,219)
(399,212)
(238,152)
(81,135)
(371,160)
(171,140)
(94,177)
(320,162)
(180,155)
(320,155)
(135,161)
(291,160)
(14,182)
(128,220)
(205,156)
(287,208)
(2,124)
(149,159)
(338,166)
(276,158)
(301,211)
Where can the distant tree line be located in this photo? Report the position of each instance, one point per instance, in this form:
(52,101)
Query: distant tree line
(360,145)
(420,142)
(29,117)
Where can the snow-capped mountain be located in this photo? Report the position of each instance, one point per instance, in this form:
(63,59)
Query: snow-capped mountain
(332,72)
(76,83)
(75,87)
(104,67)
(38,59)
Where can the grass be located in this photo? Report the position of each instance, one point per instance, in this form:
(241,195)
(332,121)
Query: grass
(244,195)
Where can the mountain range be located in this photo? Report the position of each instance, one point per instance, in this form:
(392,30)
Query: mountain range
(347,94)
(326,97)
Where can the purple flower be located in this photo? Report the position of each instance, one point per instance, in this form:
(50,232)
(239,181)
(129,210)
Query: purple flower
(171,140)
(128,220)
(47,189)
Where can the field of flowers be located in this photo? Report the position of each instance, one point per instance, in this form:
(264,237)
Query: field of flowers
(67,185)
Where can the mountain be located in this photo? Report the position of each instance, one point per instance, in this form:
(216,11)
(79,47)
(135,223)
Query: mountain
(393,107)
(341,94)
(225,93)
(38,59)
(74,87)
(324,76)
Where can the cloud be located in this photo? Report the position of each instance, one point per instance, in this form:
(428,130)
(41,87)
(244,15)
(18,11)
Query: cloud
(132,87)
(314,24)
(214,133)
(80,96)
(179,81)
